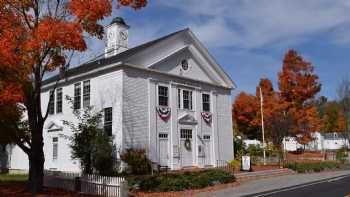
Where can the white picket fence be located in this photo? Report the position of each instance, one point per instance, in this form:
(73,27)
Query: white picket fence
(87,184)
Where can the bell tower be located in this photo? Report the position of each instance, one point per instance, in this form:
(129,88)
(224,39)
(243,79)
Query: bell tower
(116,37)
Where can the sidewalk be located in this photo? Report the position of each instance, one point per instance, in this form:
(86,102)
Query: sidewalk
(263,185)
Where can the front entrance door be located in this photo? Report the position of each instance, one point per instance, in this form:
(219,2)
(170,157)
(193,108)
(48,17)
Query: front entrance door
(207,150)
(163,149)
(186,147)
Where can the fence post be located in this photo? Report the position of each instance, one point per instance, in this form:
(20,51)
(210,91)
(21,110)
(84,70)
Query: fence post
(123,188)
(77,184)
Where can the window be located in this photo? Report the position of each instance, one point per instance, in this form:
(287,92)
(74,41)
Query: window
(206,137)
(163,136)
(206,102)
(77,96)
(86,93)
(162,96)
(51,106)
(184,64)
(59,100)
(187,99)
(179,98)
(186,134)
(54,148)
(108,121)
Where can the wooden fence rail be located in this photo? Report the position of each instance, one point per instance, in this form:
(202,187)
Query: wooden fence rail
(87,184)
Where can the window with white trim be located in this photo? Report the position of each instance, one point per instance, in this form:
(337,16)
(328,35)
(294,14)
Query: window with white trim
(108,117)
(86,93)
(163,96)
(186,134)
(206,102)
(163,136)
(51,106)
(59,100)
(179,98)
(187,99)
(54,148)
(206,137)
(77,96)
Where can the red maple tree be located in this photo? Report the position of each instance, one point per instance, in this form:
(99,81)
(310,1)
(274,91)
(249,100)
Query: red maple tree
(37,37)
(287,111)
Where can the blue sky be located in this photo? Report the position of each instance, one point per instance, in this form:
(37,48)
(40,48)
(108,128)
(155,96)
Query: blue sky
(249,38)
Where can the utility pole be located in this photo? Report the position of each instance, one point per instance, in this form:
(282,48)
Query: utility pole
(262,123)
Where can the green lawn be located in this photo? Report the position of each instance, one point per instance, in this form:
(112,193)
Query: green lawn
(6,179)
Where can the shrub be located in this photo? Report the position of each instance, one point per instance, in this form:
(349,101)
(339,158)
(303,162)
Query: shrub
(236,164)
(311,167)
(341,155)
(181,181)
(138,163)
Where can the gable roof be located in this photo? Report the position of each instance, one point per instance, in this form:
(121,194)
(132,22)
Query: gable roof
(124,56)
(107,61)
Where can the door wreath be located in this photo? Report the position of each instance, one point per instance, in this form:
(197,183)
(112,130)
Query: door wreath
(188,144)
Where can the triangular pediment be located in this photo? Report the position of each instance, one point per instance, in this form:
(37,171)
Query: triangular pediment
(53,126)
(166,56)
(187,119)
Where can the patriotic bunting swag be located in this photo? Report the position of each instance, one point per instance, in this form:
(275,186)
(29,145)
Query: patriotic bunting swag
(164,112)
(207,116)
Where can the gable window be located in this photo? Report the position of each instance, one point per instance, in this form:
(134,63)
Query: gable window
(59,100)
(54,148)
(206,102)
(77,96)
(86,93)
(163,96)
(51,106)
(108,116)
(184,64)
(187,99)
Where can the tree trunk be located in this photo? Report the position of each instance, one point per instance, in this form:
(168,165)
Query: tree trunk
(36,164)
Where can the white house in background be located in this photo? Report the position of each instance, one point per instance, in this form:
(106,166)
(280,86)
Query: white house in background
(322,141)
(168,96)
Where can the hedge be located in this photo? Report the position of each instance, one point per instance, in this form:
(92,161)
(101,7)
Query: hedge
(180,181)
(311,167)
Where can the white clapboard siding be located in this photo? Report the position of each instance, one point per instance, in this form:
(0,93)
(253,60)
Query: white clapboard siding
(89,184)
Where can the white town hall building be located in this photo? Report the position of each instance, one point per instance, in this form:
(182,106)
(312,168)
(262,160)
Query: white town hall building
(168,96)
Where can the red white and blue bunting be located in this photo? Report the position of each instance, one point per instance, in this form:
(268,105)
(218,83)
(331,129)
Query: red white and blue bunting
(207,117)
(164,112)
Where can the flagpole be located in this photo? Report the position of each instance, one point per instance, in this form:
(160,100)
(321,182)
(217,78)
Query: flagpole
(262,123)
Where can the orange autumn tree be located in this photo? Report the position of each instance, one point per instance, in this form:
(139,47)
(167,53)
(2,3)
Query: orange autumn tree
(298,85)
(288,111)
(333,118)
(244,115)
(38,37)
(277,122)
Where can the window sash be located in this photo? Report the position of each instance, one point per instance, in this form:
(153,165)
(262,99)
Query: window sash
(86,93)
(51,105)
(59,100)
(108,117)
(187,99)
(206,102)
(77,96)
(163,96)
(54,148)
(186,134)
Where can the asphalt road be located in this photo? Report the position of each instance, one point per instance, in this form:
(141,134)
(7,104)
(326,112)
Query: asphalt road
(329,184)
(334,187)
